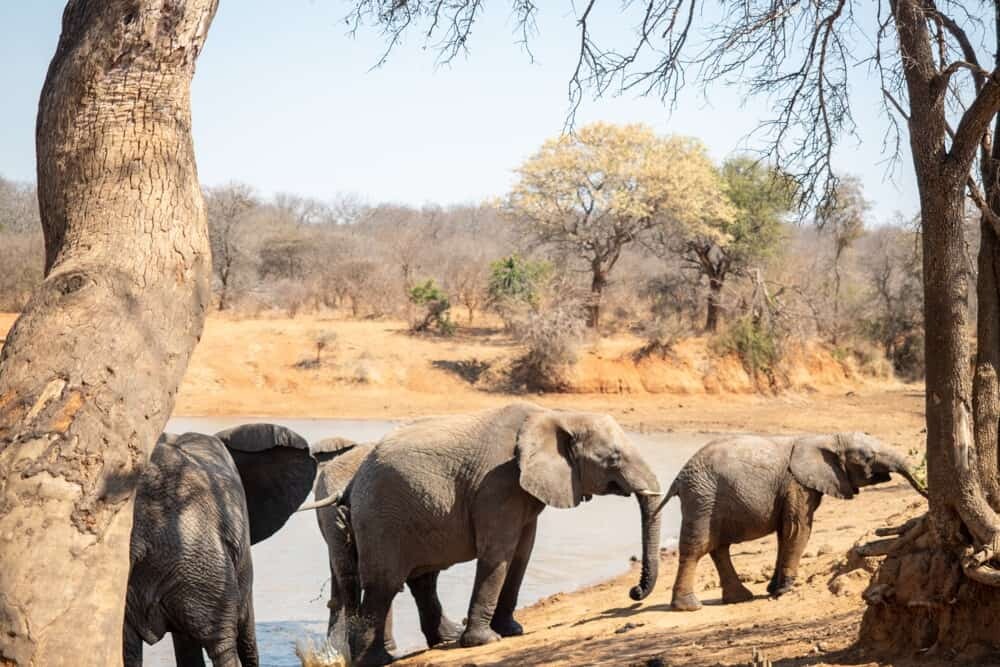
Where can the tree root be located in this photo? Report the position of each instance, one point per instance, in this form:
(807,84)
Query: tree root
(977,564)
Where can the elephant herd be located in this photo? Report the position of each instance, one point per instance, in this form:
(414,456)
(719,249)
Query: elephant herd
(440,491)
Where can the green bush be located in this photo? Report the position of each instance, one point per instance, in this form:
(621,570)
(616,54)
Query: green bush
(437,308)
(756,346)
(515,285)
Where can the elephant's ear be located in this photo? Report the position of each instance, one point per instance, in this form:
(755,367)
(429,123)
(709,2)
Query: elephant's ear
(818,463)
(545,459)
(276,470)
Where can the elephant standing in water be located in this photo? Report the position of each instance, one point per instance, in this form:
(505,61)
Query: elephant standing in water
(338,460)
(743,488)
(447,490)
(200,503)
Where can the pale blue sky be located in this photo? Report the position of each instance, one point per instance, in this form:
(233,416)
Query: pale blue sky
(285,100)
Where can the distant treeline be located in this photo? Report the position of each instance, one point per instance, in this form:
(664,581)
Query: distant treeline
(453,264)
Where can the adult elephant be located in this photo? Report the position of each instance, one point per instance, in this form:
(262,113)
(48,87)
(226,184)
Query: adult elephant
(445,490)
(743,488)
(338,460)
(201,502)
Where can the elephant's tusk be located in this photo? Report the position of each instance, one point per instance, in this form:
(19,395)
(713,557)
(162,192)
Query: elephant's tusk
(324,502)
(651,493)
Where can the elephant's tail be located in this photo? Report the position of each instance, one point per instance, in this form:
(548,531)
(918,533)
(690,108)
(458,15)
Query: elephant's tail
(319,504)
(671,492)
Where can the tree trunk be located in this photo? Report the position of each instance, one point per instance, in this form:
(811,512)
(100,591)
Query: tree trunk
(922,597)
(836,299)
(714,303)
(597,284)
(91,367)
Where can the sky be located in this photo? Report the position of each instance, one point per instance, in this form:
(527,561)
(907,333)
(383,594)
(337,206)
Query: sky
(284,99)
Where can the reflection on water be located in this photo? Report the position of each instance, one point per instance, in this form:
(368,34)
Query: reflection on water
(573,548)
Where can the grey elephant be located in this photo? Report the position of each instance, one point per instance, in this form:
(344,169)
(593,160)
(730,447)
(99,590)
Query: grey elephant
(745,487)
(200,503)
(446,490)
(338,460)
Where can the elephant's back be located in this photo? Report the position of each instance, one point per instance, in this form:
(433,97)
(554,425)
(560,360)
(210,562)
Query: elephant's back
(734,482)
(336,471)
(189,507)
(414,492)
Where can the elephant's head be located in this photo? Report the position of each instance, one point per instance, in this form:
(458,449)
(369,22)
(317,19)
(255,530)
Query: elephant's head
(276,470)
(839,464)
(567,457)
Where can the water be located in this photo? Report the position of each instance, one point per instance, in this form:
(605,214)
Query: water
(573,548)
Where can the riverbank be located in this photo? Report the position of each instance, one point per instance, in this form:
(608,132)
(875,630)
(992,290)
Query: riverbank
(377,370)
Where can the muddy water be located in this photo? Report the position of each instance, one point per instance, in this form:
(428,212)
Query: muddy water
(573,548)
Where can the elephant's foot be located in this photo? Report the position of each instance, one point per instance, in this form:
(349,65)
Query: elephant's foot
(734,595)
(780,586)
(478,636)
(685,602)
(507,627)
(374,657)
(447,631)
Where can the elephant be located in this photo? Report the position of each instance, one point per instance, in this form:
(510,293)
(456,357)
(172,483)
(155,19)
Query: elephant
(200,503)
(745,487)
(440,491)
(338,459)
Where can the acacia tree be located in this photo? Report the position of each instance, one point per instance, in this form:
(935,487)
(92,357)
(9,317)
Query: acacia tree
(938,588)
(91,367)
(592,193)
(761,197)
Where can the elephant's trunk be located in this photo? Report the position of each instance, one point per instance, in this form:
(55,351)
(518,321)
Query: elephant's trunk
(896,463)
(648,505)
(646,487)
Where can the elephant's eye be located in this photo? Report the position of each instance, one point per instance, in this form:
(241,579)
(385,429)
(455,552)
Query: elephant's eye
(614,459)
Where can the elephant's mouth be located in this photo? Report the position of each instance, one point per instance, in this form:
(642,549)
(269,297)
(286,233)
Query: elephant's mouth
(616,489)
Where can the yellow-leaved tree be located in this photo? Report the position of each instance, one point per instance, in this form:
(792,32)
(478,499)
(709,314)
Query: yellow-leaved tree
(590,193)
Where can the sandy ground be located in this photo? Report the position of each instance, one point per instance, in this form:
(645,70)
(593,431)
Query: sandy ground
(378,370)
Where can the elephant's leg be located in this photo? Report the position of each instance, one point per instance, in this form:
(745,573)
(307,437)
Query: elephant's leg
(791,543)
(491,572)
(437,627)
(389,640)
(691,548)
(131,647)
(793,536)
(733,589)
(503,617)
(341,608)
(368,638)
(246,640)
(187,651)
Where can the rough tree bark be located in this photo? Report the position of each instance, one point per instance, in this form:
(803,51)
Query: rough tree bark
(598,283)
(937,589)
(90,370)
(714,303)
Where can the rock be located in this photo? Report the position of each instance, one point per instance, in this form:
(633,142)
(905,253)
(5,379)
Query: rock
(824,549)
(851,583)
(809,554)
(627,627)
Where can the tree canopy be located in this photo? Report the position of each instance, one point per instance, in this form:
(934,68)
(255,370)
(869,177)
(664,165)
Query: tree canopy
(591,193)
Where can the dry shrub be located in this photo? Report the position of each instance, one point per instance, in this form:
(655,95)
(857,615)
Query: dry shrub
(662,333)
(864,359)
(552,338)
